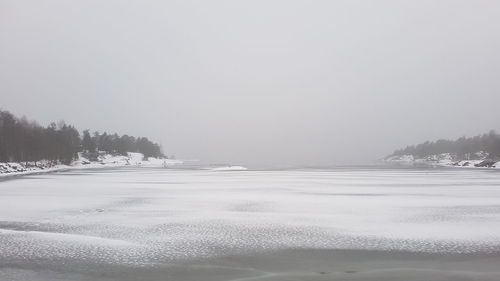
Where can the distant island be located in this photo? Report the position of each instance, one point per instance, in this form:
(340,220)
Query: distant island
(479,151)
(27,146)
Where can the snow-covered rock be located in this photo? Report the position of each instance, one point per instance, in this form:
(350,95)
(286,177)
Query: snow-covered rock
(401,158)
(478,160)
(103,160)
(230,168)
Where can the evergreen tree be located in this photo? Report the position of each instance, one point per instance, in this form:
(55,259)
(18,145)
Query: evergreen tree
(88,143)
(462,148)
(22,140)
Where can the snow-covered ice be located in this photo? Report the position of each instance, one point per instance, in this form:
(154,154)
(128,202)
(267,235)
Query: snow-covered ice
(152,215)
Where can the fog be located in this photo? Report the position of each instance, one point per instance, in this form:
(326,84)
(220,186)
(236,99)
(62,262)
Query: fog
(271,83)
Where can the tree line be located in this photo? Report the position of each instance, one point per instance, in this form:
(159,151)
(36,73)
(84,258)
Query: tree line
(22,140)
(462,148)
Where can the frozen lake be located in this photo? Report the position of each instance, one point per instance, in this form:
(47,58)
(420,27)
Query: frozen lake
(146,217)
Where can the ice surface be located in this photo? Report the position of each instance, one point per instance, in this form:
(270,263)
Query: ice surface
(152,215)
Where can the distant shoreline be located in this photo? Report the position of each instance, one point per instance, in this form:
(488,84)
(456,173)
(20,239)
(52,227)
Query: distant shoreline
(442,160)
(15,169)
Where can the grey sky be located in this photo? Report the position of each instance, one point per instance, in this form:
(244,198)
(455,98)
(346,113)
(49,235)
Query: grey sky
(273,82)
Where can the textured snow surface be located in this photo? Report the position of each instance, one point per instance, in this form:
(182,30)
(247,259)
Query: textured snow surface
(144,216)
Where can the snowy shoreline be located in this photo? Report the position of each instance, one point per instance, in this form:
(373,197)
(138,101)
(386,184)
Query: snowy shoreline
(132,159)
(445,160)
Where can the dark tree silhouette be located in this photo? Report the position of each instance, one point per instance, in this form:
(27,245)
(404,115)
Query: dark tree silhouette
(88,143)
(462,148)
(26,141)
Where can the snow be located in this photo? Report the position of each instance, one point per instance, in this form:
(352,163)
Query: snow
(230,168)
(443,159)
(401,158)
(142,215)
(105,160)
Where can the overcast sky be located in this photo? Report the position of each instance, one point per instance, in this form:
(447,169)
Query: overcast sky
(257,82)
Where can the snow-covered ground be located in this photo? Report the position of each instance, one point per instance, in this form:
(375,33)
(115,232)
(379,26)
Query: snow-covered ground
(148,216)
(478,160)
(104,160)
(230,168)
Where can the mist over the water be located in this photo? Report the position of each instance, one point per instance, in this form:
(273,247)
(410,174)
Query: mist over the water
(272,83)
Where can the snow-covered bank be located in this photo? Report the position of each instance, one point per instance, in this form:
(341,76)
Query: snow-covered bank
(103,160)
(230,168)
(477,160)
